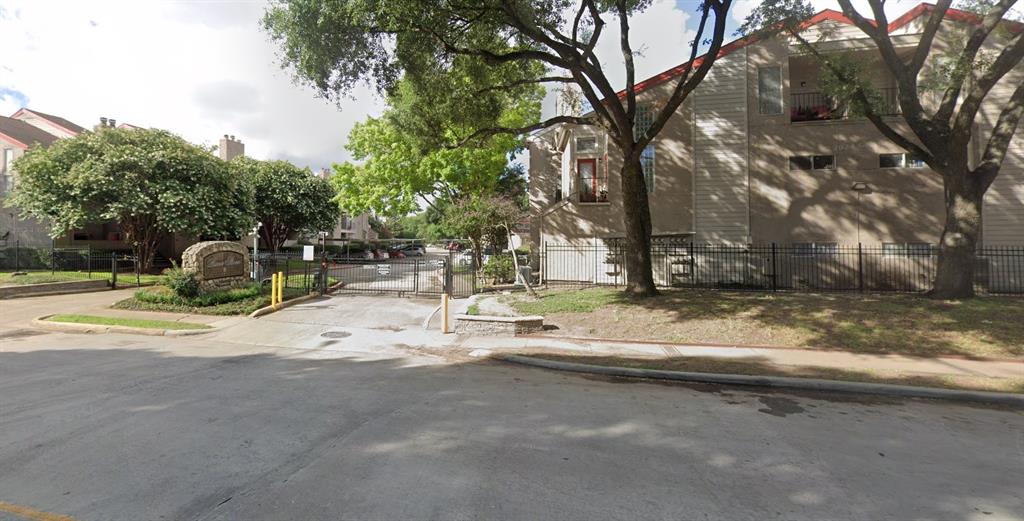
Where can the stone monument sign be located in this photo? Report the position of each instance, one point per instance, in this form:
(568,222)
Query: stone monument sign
(218,264)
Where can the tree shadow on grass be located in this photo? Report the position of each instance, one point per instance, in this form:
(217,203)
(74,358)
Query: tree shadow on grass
(899,324)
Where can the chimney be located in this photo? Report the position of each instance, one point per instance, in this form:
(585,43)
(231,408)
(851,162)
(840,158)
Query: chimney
(103,123)
(113,122)
(230,148)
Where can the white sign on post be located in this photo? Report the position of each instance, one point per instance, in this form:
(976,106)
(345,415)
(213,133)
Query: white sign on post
(307,253)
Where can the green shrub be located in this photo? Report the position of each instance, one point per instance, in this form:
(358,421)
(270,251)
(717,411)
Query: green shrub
(183,283)
(500,269)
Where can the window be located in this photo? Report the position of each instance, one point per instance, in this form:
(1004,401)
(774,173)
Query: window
(808,249)
(906,249)
(647,165)
(769,90)
(6,172)
(901,160)
(586,144)
(593,187)
(812,162)
(642,121)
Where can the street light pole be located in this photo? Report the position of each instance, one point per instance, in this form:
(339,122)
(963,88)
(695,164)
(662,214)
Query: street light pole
(256,251)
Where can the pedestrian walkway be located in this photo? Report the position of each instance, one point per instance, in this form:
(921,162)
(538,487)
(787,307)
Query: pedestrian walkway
(782,357)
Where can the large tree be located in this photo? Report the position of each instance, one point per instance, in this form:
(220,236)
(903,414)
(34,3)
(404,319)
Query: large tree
(976,52)
(405,160)
(288,200)
(152,183)
(334,44)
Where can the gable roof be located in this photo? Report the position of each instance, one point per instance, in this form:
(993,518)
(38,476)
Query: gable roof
(56,120)
(827,15)
(24,134)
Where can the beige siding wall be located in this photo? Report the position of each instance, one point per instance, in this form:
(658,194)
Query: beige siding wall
(1003,210)
(900,205)
(720,147)
(28,232)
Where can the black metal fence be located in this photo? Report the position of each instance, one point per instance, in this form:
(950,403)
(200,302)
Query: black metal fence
(774,267)
(429,275)
(70,263)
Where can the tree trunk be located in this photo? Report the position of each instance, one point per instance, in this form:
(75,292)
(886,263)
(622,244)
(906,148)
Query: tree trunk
(959,241)
(637,221)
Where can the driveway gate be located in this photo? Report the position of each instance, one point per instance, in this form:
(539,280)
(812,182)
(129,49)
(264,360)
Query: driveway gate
(404,277)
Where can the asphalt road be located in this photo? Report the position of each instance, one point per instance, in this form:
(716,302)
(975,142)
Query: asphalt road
(126,427)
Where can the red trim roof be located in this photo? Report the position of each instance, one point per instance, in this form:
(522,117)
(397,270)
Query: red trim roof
(822,16)
(56,120)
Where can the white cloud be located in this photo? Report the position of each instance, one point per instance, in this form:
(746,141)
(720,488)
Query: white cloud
(199,69)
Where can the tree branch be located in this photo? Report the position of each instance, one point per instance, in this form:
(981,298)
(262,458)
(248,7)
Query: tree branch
(967,56)
(627,57)
(999,141)
(549,79)
(550,122)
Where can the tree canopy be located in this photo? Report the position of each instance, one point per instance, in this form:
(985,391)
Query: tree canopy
(467,56)
(151,182)
(288,200)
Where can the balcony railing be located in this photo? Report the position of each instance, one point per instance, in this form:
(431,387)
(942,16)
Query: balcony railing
(818,106)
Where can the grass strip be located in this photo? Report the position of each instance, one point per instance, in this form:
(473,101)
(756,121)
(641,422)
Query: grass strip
(128,322)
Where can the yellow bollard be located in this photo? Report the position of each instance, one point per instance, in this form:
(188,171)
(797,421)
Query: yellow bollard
(273,290)
(280,287)
(444,312)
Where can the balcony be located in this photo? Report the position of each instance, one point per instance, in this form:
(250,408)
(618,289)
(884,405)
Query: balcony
(818,106)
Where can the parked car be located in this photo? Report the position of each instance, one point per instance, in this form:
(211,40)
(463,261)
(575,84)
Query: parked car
(395,253)
(414,250)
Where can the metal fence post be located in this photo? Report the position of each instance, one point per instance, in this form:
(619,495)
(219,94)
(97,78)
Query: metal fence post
(53,258)
(415,277)
(113,270)
(17,256)
(775,269)
(694,277)
(88,261)
(860,268)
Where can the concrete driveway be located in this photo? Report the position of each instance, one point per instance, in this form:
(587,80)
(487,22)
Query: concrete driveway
(124,427)
(381,326)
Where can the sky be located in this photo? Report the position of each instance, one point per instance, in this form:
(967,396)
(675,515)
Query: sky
(204,68)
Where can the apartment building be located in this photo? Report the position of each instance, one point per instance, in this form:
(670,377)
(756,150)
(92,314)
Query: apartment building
(759,154)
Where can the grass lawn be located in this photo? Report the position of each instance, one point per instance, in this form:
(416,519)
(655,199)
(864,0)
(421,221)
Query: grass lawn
(42,277)
(904,324)
(753,367)
(234,302)
(130,322)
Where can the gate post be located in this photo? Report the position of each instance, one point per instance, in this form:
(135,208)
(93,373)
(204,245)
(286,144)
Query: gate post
(415,277)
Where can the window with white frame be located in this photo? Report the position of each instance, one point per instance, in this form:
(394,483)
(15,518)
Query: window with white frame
(647,165)
(901,160)
(586,145)
(822,162)
(809,249)
(642,121)
(906,249)
(769,90)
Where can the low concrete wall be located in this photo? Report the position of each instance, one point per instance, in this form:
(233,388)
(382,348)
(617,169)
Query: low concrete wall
(54,288)
(497,326)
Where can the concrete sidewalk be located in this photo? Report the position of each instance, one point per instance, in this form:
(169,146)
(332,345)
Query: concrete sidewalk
(781,357)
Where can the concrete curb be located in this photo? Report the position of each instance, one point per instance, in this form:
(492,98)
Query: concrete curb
(68,327)
(286,304)
(780,382)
